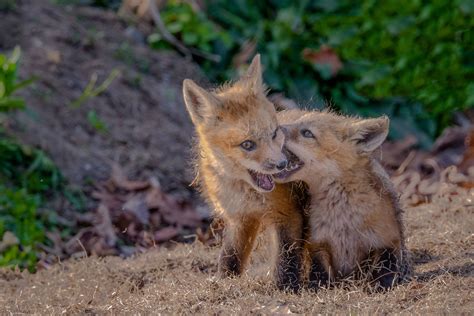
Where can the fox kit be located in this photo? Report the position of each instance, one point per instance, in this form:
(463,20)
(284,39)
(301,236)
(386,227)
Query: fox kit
(239,148)
(354,213)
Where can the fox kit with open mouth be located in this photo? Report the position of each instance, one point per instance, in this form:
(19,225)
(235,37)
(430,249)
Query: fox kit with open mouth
(354,214)
(239,148)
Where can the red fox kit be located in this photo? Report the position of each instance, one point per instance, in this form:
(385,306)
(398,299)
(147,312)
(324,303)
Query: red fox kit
(239,148)
(354,213)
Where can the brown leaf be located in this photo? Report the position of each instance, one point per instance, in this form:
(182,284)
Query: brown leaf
(325,56)
(120,180)
(137,206)
(468,156)
(166,234)
(105,228)
(9,239)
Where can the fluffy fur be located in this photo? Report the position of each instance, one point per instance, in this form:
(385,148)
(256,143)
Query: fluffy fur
(354,214)
(236,181)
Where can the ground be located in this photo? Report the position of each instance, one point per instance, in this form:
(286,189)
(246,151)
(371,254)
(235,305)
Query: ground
(148,135)
(147,131)
(183,280)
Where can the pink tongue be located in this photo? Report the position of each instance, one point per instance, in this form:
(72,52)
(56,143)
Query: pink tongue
(264,182)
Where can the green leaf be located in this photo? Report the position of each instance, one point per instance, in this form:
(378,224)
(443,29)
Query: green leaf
(11,103)
(95,121)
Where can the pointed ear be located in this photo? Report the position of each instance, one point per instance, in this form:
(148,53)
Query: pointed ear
(369,134)
(199,102)
(253,76)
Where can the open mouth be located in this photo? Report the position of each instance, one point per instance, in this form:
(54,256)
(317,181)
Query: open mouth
(294,164)
(263,181)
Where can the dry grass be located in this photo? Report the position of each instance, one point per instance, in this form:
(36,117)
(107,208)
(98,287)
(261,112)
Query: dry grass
(182,280)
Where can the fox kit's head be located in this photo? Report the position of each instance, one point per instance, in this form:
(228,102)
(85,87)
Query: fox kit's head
(238,129)
(325,144)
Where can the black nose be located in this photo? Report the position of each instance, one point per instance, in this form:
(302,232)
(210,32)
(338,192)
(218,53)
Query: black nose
(282,165)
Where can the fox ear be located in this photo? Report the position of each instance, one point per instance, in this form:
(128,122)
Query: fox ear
(253,76)
(199,102)
(369,134)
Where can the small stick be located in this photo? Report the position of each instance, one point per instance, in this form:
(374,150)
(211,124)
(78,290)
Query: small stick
(405,162)
(187,52)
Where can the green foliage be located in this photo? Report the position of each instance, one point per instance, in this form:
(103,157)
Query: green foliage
(411,60)
(8,82)
(92,90)
(96,122)
(18,215)
(24,167)
(192,28)
(6,5)
(416,49)
(27,177)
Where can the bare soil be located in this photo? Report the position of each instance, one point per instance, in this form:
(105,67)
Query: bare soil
(183,280)
(148,131)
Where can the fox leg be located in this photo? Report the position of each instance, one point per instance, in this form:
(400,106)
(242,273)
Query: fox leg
(289,231)
(386,271)
(320,270)
(239,237)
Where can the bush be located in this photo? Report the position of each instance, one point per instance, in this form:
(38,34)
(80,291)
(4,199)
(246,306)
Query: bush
(420,50)
(27,178)
(18,216)
(407,59)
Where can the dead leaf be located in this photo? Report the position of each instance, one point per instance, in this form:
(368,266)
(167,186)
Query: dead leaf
(137,206)
(54,56)
(120,180)
(166,234)
(9,239)
(325,56)
(105,228)
(467,160)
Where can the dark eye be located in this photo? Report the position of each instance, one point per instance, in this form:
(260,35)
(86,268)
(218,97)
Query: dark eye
(274,135)
(307,133)
(248,145)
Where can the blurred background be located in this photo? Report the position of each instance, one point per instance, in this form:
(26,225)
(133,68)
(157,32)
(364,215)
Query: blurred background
(95,140)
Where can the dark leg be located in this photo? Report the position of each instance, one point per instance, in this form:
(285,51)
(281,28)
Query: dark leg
(386,271)
(318,275)
(288,269)
(239,237)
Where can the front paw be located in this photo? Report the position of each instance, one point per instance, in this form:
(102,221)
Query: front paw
(229,265)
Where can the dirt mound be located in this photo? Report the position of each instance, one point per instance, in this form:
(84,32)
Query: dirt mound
(182,280)
(139,121)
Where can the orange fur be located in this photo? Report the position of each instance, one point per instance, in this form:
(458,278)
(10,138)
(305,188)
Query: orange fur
(224,119)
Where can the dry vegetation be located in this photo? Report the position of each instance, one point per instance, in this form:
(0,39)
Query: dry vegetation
(182,280)
(58,43)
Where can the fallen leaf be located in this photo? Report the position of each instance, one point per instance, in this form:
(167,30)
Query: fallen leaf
(139,208)
(120,180)
(325,57)
(9,239)
(467,160)
(105,228)
(166,234)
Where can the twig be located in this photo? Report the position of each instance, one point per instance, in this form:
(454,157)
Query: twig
(187,52)
(401,169)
